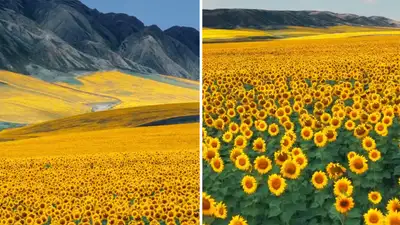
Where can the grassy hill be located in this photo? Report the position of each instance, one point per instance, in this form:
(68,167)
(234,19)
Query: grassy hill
(211,35)
(162,138)
(112,119)
(28,100)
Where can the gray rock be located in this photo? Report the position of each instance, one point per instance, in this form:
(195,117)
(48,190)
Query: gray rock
(61,37)
(254,18)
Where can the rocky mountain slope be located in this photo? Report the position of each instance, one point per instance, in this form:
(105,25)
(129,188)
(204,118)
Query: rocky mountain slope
(57,38)
(252,18)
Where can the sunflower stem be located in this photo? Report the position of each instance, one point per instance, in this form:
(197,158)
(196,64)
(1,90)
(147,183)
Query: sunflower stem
(342,218)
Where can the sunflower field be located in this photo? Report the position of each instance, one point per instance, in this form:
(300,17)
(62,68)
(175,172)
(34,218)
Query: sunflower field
(302,132)
(134,176)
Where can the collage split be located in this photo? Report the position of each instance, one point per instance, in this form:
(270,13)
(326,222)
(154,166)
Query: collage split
(199,112)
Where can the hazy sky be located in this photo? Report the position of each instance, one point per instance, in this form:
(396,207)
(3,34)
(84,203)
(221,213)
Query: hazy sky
(386,8)
(163,13)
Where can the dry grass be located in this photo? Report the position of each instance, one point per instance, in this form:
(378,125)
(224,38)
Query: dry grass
(119,118)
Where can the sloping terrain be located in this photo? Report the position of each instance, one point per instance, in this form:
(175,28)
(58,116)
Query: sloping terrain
(54,39)
(162,138)
(111,119)
(274,19)
(226,35)
(28,100)
(133,91)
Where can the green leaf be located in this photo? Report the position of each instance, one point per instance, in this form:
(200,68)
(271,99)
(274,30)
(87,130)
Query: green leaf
(352,221)
(396,171)
(274,211)
(354,213)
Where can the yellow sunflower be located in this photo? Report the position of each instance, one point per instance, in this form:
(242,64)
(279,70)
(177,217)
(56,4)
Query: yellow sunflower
(374,197)
(344,204)
(220,211)
(350,125)
(296,151)
(242,162)
(273,129)
(393,205)
(290,169)
(343,186)
(351,155)
(259,145)
(240,141)
(330,133)
(209,153)
(319,179)
(320,139)
(238,220)
(335,170)
(227,137)
(307,133)
(261,125)
(374,155)
(368,143)
(214,143)
(392,218)
(358,164)
(374,217)
(235,152)
(301,160)
(217,164)
(360,131)
(208,204)
(281,156)
(249,184)
(381,129)
(276,184)
(233,128)
(262,164)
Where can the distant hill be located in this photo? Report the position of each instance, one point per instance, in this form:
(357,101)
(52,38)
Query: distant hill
(58,38)
(261,19)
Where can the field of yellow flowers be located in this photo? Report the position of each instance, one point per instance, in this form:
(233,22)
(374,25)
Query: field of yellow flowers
(119,176)
(302,132)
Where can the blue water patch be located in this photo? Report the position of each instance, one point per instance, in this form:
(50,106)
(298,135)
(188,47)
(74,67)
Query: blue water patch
(7,125)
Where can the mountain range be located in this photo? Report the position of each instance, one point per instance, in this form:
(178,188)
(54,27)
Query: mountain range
(58,39)
(260,19)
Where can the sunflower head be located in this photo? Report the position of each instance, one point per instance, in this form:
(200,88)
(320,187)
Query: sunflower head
(374,155)
(276,184)
(281,156)
(358,164)
(242,162)
(392,218)
(320,139)
(344,204)
(374,197)
(373,217)
(368,143)
(249,184)
(307,133)
(262,164)
(335,170)
(208,204)
(227,137)
(343,186)
(290,169)
(319,179)
(393,205)
(273,129)
(220,211)
(237,220)
(240,142)
(259,145)
(235,152)
(217,164)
